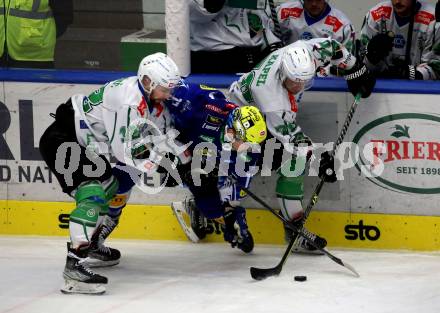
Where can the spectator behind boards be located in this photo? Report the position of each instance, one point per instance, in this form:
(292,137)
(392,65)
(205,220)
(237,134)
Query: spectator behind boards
(28,31)
(307,19)
(402,40)
(226,39)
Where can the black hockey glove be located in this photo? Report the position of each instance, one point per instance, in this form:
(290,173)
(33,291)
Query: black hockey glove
(360,80)
(379,47)
(403,71)
(327,168)
(241,237)
(213,6)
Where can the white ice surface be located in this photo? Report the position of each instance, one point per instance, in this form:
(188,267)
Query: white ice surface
(159,277)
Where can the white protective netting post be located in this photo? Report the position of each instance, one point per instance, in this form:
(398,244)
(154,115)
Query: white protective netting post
(177,33)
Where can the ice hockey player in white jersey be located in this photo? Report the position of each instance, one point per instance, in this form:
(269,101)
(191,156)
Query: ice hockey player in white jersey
(275,87)
(402,40)
(307,19)
(113,121)
(226,39)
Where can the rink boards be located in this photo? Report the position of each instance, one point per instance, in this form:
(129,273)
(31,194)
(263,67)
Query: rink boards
(395,130)
(157,222)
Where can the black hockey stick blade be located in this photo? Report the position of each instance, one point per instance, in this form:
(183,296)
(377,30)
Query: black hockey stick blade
(263,273)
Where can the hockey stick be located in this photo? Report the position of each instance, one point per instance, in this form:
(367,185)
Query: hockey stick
(437,11)
(410,33)
(262,273)
(276,24)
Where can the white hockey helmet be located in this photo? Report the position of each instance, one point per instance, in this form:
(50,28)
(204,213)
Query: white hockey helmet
(297,64)
(160,69)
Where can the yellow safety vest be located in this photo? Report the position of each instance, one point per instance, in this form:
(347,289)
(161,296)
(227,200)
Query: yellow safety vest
(30,30)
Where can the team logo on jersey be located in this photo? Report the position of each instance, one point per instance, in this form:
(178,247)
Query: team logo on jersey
(424,17)
(213,120)
(333,21)
(291,12)
(399,41)
(255,24)
(306,36)
(381,12)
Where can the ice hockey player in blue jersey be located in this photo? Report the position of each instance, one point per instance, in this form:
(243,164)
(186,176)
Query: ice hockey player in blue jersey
(216,128)
(204,116)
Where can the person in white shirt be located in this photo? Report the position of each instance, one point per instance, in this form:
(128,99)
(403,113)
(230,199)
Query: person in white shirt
(401,39)
(226,39)
(307,19)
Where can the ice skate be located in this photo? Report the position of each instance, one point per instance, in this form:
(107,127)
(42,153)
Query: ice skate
(78,278)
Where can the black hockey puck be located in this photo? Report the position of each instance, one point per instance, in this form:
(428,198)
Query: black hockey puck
(300,278)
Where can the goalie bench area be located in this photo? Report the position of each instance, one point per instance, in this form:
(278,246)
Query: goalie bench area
(157,222)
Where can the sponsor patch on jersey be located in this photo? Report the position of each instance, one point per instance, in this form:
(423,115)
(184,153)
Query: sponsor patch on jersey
(306,36)
(382,11)
(204,87)
(399,41)
(206,138)
(333,21)
(216,109)
(424,17)
(210,127)
(291,12)
(213,120)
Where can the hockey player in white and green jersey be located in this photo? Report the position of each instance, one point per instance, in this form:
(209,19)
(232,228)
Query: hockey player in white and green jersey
(275,86)
(113,121)
(308,19)
(236,38)
(393,49)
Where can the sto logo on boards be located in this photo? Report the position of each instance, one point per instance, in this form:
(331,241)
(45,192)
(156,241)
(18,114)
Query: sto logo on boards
(362,232)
